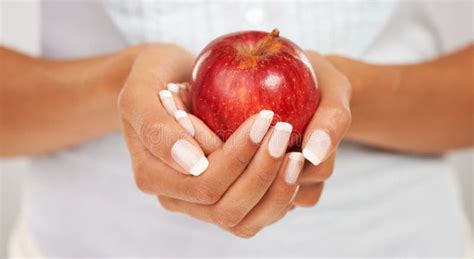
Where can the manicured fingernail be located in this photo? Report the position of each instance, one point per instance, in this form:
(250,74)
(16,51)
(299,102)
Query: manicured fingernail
(280,138)
(167,100)
(261,125)
(293,167)
(183,120)
(317,147)
(189,157)
(173,87)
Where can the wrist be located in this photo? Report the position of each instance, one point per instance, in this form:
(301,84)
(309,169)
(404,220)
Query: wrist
(107,79)
(114,69)
(99,74)
(93,83)
(357,72)
(372,88)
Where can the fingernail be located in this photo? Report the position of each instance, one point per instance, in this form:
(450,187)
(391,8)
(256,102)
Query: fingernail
(183,120)
(173,87)
(279,140)
(317,147)
(189,157)
(167,100)
(261,126)
(293,167)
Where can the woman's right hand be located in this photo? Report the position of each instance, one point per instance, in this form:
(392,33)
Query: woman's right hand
(241,185)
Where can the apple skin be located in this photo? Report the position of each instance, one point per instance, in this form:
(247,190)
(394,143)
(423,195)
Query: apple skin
(238,75)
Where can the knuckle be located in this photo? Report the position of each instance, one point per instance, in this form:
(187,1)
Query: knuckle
(341,115)
(345,82)
(236,163)
(327,170)
(346,117)
(124,100)
(347,86)
(281,195)
(226,217)
(240,161)
(142,182)
(205,194)
(305,204)
(138,166)
(313,198)
(282,199)
(245,232)
(166,203)
(264,178)
(325,174)
(237,159)
(320,173)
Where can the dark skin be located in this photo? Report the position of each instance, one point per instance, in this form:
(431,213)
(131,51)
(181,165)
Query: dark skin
(425,108)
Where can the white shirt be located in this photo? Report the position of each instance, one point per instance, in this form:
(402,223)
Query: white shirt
(83,201)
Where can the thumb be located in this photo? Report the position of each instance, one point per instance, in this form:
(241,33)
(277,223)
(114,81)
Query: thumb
(333,117)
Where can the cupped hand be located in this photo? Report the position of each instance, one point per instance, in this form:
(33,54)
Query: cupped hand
(326,130)
(242,185)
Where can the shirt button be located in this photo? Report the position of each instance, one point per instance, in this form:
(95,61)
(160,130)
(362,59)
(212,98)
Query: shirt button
(254,16)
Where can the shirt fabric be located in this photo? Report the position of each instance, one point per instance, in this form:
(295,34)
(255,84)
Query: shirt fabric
(83,201)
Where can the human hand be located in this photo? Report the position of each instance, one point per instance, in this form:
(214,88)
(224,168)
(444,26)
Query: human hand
(324,133)
(244,186)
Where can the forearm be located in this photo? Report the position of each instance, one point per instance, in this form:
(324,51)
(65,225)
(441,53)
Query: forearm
(47,105)
(424,108)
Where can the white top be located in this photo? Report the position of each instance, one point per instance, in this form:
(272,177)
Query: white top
(83,201)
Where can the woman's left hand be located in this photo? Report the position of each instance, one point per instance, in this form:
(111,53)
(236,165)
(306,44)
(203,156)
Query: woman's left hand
(324,133)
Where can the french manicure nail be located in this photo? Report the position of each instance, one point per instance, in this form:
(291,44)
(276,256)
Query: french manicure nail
(189,157)
(261,125)
(279,139)
(168,102)
(173,87)
(183,120)
(317,147)
(293,167)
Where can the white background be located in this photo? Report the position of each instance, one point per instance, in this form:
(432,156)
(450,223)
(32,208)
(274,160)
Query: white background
(19,28)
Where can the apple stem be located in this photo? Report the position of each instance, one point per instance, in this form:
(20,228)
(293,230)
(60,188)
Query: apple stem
(275,33)
(266,41)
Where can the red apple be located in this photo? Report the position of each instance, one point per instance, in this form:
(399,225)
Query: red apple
(240,74)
